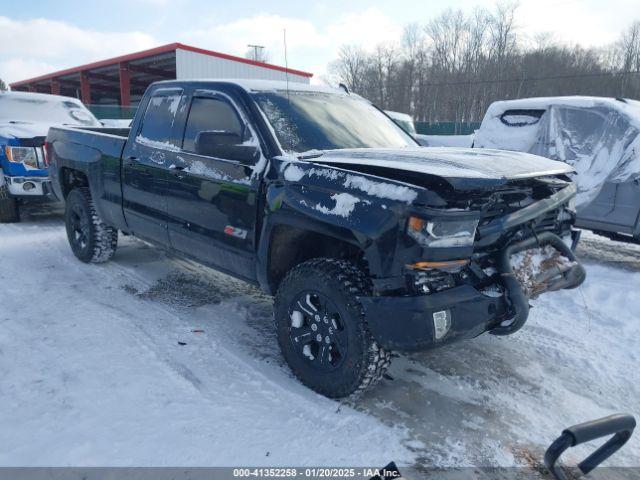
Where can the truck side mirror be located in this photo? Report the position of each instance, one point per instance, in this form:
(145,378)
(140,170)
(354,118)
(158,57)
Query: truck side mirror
(225,144)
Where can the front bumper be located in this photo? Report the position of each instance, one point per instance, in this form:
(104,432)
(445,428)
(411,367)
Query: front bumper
(406,323)
(29,186)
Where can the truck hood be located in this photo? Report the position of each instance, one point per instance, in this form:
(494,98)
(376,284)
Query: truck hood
(23,129)
(461,167)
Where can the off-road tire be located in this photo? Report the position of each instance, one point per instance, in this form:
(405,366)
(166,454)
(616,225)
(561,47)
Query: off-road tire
(91,240)
(9,209)
(365,362)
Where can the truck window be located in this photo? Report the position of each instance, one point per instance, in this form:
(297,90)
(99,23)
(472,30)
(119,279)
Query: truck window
(581,131)
(157,123)
(209,114)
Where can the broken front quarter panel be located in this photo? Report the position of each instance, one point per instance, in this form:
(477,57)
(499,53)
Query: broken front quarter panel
(367,211)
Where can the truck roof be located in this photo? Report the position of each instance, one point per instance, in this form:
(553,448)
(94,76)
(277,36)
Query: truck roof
(262,85)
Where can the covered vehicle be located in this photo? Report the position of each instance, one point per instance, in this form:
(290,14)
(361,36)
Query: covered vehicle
(368,242)
(598,137)
(25,119)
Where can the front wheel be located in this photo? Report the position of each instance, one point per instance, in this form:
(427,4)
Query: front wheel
(91,240)
(322,330)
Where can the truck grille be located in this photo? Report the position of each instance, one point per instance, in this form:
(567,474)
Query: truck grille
(518,196)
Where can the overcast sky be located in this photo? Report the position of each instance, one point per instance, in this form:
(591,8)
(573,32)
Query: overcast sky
(39,37)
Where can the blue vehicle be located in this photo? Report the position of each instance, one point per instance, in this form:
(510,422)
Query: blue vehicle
(25,119)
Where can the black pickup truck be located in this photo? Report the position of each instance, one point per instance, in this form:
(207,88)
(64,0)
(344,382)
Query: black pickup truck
(369,242)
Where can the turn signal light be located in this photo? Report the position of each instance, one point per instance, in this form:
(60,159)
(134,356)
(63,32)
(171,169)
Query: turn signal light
(416,224)
(45,151)
(447,265)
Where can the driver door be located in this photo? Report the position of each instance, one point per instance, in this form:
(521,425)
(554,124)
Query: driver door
(212,201)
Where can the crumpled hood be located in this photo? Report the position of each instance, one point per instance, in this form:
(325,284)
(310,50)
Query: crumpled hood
(456,165)
(23,129)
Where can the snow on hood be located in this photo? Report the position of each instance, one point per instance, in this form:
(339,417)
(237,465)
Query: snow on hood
(23,129)
(450,163)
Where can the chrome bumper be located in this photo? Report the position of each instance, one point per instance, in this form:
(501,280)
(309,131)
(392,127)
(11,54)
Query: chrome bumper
(28,186)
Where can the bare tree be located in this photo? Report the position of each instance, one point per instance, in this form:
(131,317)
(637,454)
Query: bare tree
(257,53)
(456,64)
(351,67)
(628,52)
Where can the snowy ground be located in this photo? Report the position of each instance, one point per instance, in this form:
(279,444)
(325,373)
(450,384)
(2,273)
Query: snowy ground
(150,360)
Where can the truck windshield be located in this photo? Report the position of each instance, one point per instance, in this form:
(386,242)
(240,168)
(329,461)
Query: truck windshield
(305,121)
(36,108)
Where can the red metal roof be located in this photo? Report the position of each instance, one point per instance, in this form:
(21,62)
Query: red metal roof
(150,53)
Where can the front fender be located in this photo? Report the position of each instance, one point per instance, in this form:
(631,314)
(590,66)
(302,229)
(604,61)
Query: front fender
(360,209)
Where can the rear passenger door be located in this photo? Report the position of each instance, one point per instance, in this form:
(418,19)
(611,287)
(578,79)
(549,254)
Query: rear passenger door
(146,162)
(212,202)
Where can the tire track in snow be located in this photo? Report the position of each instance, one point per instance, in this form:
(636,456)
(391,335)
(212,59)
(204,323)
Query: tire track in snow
(285,389)
(472,404)
(152,328)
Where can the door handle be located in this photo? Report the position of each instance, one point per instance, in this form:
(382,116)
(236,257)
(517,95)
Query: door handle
(130,160)
(177,171)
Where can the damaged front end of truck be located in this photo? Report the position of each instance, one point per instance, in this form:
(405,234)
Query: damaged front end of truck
(451,256)
(484,258)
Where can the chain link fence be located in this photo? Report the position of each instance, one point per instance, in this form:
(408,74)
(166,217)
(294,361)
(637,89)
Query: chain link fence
(446,128)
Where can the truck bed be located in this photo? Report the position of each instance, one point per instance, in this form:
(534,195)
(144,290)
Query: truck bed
(96,153)
(107,141)
(117,131)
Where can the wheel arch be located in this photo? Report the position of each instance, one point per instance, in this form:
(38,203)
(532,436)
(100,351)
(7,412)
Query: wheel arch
(71,178)
(281,237)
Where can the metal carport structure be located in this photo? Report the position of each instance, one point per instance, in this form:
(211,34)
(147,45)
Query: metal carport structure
(122,80)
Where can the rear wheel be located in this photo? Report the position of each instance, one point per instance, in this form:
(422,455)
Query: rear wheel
(322,330)
(9,209)
(91,240)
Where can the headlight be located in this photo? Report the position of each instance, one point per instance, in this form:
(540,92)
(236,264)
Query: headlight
(26,155)
(443,232)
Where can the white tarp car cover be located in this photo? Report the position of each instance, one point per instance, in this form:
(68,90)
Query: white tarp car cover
(598,137)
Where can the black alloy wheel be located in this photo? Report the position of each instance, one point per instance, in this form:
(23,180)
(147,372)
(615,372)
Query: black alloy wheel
(322,329)
(317,331)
